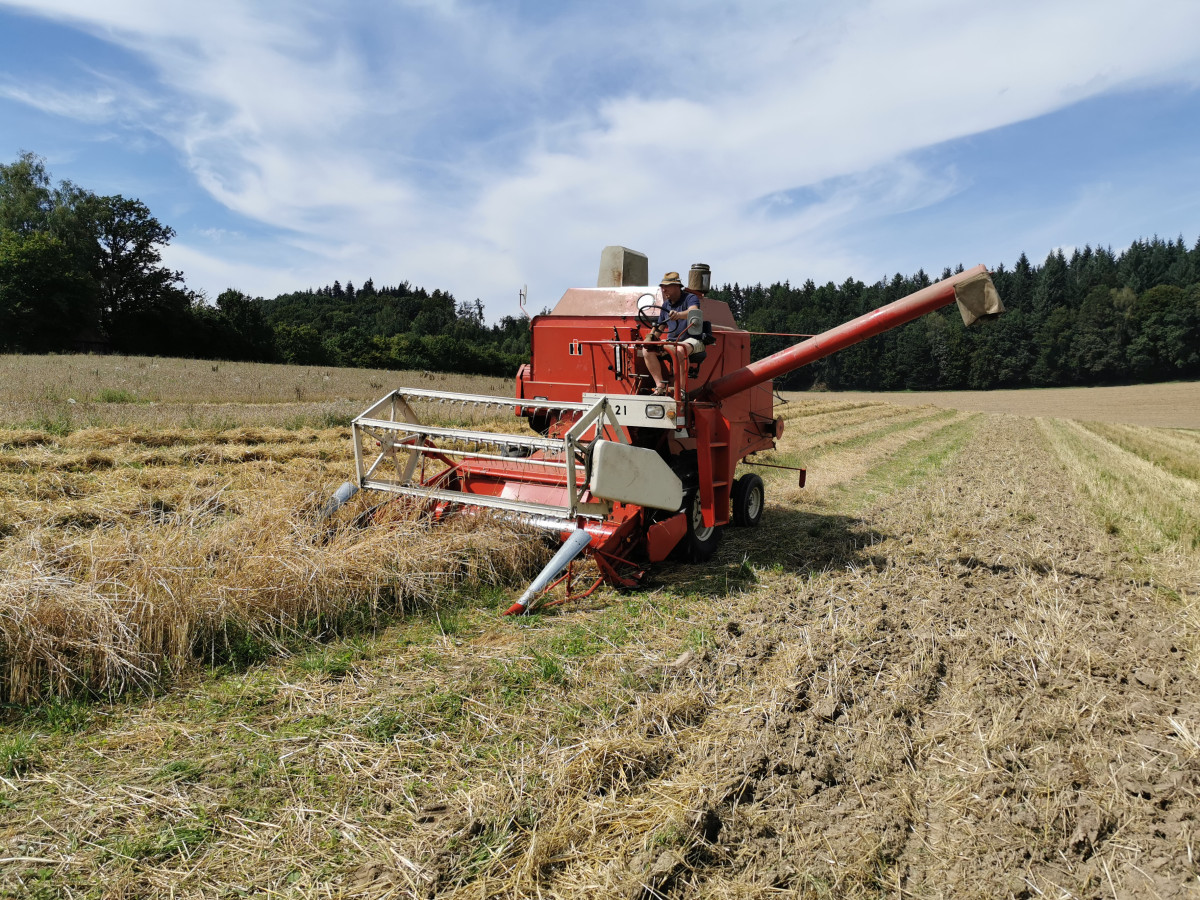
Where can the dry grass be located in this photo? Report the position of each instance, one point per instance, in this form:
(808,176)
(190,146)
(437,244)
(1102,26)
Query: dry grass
(63,393)
(962,664)
(1175,451)
(1171,405)
(128,556)
(1157,509)
(153,380)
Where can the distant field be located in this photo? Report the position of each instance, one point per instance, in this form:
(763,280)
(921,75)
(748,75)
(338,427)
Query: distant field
(78,391)
(1172,405)
(961,662)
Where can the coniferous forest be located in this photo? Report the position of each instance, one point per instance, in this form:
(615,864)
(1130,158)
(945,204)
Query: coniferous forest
(83,273)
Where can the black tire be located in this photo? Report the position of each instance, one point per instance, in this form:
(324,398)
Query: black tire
(748,499)
(701,542)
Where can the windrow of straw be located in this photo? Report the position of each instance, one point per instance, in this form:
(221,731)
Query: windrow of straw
(117,576)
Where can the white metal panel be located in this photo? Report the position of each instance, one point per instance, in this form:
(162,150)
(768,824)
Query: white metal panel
(628,474)
(635,411)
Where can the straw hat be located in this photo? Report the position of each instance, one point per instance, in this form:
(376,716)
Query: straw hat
(670,278)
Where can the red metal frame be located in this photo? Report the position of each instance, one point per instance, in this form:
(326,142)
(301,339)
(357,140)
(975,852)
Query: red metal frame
(589,344)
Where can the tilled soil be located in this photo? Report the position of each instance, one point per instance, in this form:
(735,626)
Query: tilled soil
(981,700)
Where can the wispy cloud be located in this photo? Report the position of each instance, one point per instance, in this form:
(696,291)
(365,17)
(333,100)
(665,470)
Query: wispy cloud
(462,145)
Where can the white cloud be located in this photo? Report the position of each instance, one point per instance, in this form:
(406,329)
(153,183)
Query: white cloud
(95,107)
(452,144)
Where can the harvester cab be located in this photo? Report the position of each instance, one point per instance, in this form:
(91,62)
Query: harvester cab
(614,471)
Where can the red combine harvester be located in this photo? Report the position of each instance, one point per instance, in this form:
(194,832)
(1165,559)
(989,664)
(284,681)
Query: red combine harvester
(615,472)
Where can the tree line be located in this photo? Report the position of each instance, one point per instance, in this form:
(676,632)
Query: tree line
(1094,317)
(82,272)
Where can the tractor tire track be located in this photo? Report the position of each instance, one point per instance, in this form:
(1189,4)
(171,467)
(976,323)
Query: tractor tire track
(993,710)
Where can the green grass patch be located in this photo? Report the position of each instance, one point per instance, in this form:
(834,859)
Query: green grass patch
(172,840)
(118,395)
(326,661)
(437,713)
(699,639)
(516,680)
(578,642)
(18,754)
(179,770)
(58,423)
(63,716)
(914,462)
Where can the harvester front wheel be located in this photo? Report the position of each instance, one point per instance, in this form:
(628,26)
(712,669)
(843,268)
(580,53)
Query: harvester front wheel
(702,540)
(748,498)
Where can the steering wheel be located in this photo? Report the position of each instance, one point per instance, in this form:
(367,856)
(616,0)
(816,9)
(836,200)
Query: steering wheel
(644,316)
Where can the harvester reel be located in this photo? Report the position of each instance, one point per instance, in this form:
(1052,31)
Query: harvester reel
(540,422)
(747,500)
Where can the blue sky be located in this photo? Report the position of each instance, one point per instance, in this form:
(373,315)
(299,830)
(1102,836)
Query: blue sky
(481,146)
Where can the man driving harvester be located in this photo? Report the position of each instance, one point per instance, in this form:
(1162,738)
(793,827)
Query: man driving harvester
(673,320)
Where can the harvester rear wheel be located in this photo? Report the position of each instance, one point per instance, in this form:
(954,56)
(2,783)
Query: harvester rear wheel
(748,498)
(702,540)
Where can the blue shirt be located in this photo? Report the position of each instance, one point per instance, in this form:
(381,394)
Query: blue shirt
(677,330)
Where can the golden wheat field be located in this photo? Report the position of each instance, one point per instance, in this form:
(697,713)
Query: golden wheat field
(961,662)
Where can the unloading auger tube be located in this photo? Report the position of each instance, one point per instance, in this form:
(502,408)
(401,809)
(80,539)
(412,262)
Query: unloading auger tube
(612,472)
(972,290)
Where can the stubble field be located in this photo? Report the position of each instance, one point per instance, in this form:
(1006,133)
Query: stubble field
(960,662)
(1172,405)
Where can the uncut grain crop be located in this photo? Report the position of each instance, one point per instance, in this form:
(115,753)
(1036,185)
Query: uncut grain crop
(961,662)
(65,393)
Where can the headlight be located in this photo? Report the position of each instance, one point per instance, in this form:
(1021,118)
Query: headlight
(655,411)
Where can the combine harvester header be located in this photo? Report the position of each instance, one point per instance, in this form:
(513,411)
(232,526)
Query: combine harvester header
(608,467)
